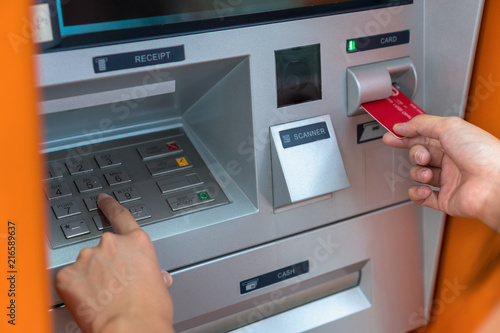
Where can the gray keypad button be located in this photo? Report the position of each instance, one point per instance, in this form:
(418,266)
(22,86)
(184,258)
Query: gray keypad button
(78,166)
(127,194)
(56,189)
(54,170)
(66,209)
(168,165)
(101,223)
(178,183)
(189,200)
(107,160)
(75,229)
(91,203)
(87,184)
(140,212)
(117,177)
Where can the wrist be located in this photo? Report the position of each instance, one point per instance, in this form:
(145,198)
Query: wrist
(491,214)
(145,324)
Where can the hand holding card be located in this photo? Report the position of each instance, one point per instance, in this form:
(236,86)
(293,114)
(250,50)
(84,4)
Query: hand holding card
(393,110)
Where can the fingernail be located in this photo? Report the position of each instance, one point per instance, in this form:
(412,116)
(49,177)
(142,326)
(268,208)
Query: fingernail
(421,174)
(166,277)
(417,157)
(424,191)
(102,196)
(398,126)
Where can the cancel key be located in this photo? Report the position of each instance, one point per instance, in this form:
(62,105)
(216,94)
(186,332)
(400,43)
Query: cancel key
(189,200)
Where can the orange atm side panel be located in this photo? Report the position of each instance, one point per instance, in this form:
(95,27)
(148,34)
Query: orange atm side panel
(23,281)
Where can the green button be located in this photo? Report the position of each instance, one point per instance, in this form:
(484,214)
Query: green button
(203,195)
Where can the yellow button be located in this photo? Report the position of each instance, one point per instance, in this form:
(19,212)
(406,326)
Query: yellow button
(182,162)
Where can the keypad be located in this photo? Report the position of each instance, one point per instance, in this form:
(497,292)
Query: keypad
(156,176)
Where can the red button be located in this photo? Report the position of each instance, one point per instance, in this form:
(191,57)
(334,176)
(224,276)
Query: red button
(172,146)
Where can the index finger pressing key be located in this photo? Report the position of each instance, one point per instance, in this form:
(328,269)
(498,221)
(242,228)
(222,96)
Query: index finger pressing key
(120,217)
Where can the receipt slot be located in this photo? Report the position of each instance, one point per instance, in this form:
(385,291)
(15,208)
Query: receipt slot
(371,82)
(306,161)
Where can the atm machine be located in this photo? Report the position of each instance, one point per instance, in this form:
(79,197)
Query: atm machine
(232,131)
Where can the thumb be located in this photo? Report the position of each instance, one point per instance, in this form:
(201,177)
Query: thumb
(167,278)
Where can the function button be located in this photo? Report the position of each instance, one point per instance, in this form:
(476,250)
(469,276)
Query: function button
(91,203)
(87,184)
(127,194)
(158,150)
(78,166)
(152,151)
(101,223)
(168,165)
(117,177)
(107,160)
(203,196)
(178,183)
(140,212)
(75,229)
(193,179)
(66,209)
(189,200)
(173,146)
(182,162)
(55,189)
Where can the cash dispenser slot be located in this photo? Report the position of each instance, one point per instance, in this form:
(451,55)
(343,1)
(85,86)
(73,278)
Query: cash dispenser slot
(326,291)
(332,295)
(371,82)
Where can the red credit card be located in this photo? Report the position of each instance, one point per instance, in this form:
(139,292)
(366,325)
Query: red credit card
(393,110)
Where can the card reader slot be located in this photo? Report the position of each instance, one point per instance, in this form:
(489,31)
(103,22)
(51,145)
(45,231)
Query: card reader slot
(374,81)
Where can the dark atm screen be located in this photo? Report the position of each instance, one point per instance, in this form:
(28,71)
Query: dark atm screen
(82,12)
(87,22)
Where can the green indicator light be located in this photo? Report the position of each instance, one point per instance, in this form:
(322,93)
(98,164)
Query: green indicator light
(351,46)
